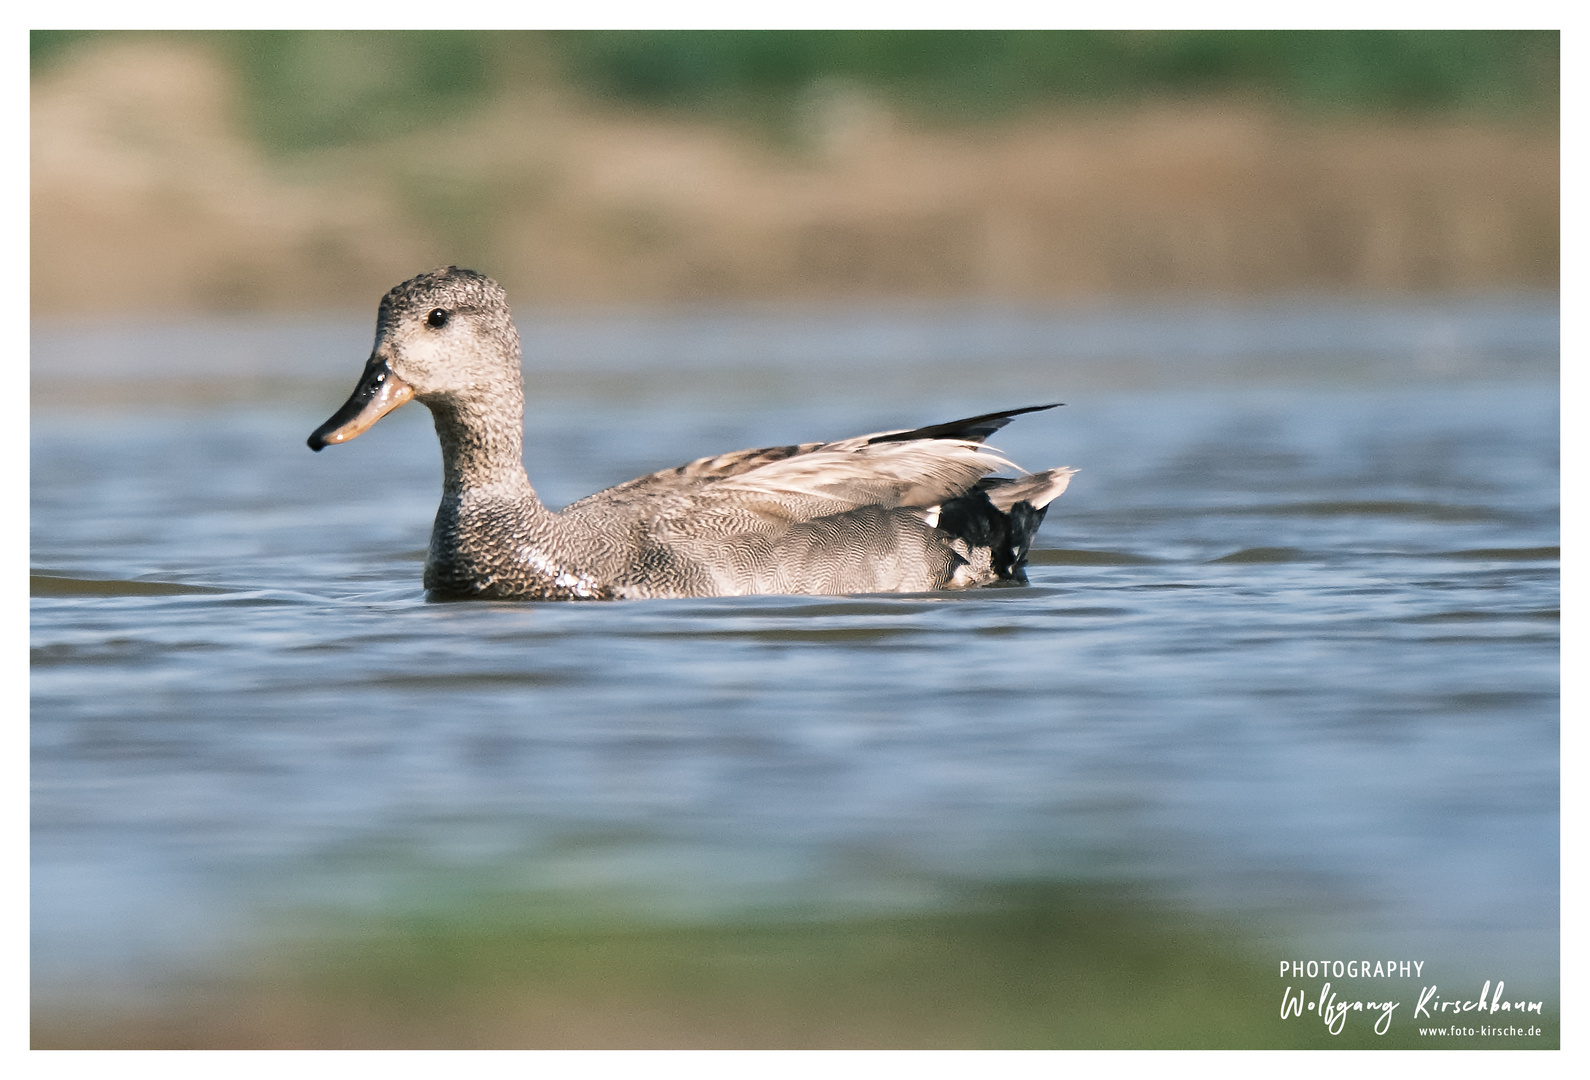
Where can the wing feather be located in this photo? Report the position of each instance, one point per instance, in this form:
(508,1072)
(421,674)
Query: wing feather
(919,467)
(920,473)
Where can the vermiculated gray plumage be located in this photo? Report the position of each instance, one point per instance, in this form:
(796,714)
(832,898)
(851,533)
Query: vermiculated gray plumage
(895,511)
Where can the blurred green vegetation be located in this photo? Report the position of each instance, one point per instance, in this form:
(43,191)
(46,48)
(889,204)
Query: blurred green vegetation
(1016,966)
(1025,965)
(1037,966)
(992,72)
(308,89)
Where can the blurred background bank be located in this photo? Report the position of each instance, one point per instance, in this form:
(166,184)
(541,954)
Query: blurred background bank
(258,171)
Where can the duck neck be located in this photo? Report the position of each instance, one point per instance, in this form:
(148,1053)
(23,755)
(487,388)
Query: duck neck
(482,445)
(493,537)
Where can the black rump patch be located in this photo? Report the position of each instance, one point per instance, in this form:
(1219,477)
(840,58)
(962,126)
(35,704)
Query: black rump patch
(1008,537)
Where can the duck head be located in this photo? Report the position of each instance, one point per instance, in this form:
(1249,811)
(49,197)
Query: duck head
(444,339)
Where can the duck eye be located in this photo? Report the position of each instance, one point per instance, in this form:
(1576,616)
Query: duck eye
(438,317)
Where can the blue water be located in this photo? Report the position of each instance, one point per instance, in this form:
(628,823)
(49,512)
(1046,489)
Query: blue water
(1288,655)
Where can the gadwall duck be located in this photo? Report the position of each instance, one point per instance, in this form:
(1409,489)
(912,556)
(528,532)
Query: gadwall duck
(897,511)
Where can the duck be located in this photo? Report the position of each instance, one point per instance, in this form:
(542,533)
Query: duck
(909,511)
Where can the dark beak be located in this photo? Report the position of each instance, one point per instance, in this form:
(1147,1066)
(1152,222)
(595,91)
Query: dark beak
(378,393)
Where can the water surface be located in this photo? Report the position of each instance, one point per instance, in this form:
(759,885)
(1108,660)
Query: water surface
(1288,655)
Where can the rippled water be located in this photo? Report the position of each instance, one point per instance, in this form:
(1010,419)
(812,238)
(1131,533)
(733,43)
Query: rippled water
(1289,650)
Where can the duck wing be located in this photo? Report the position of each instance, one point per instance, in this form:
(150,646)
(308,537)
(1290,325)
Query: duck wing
(909,467)
(919,473)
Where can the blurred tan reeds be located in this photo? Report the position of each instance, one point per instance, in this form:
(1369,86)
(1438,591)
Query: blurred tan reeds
(148,196)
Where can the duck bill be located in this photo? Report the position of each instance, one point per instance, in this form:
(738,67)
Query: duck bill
(378,393)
